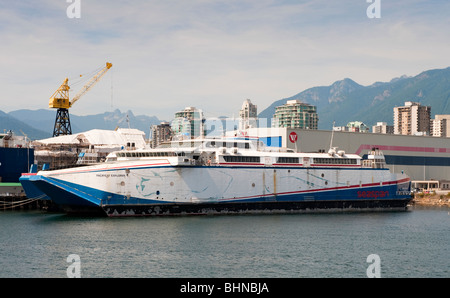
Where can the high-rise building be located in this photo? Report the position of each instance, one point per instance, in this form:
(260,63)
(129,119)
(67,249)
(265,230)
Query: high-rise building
(160,133)
(440,126)
(295,114)
(412,119)
(383,127)
(189,124)
(248,115)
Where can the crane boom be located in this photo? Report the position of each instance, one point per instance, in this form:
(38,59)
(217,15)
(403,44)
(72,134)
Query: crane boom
(91,83)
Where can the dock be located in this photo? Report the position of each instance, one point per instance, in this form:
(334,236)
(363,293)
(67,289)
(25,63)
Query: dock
(13,197)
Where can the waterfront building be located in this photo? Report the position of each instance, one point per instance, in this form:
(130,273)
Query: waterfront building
(188,124)
(296,114)
(340,128)
(160,133)
(354,126)
(383,127)
(248,115)
(412,119)
(357,126)
(440,126)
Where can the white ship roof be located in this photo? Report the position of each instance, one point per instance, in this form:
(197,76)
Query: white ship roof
(101,137)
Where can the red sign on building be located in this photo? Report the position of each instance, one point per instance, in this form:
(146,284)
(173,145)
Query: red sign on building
(293,137)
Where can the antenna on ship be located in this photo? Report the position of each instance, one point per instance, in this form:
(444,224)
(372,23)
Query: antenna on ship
(332,134)
(332,150)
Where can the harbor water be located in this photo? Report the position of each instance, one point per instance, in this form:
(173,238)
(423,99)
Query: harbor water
(414,243)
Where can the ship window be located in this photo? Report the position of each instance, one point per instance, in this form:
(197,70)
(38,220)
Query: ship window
(287,160)
(242,159)
(334,161)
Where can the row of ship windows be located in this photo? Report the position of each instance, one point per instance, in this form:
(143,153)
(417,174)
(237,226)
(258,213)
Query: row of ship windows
(251,159)
(146,154)
(257,159)
(341,161)
(214,144)
(291,160)
(228,158)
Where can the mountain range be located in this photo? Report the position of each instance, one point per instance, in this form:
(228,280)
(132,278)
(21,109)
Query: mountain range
(38,124)
(346,100)
(341,102)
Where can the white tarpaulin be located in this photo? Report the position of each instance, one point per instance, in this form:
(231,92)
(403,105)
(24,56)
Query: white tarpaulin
(100,137)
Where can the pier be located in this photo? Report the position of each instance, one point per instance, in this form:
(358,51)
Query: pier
(12,197)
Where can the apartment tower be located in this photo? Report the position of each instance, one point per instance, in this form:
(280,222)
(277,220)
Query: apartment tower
(296,114)
(248,115)
(412,119)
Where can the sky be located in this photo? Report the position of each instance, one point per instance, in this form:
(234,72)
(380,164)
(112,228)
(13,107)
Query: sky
(210,54)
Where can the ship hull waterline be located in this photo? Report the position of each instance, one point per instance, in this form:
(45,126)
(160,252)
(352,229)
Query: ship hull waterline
(76,199)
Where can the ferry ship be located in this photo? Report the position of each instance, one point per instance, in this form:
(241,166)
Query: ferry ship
(16,156)
(224,176)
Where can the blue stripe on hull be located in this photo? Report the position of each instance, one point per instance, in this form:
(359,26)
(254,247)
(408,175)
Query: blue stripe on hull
(61,193)
(31,191)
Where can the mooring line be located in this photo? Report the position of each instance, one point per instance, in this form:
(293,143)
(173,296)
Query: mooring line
(15,204)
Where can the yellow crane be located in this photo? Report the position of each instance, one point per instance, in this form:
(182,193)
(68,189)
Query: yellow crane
(60,100)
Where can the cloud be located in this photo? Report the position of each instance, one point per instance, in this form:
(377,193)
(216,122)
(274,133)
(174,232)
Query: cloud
(168,54)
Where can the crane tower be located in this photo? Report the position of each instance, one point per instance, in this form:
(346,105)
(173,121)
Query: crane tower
(60,100)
